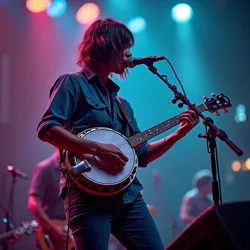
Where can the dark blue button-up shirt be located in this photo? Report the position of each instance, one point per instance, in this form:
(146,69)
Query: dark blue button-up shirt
(79,101)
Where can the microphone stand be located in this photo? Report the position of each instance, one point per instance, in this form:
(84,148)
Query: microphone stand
(9,210)
(211,134)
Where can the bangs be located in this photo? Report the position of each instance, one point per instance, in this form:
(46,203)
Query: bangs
(120,36)
(125,36)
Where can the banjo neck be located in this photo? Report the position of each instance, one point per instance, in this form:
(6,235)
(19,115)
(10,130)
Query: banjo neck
(94,175)
(150,133)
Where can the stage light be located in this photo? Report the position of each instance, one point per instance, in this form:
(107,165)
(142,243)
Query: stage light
(240,115)
(236,166)
(137,24)
(37,6)
(182,13)
(247,164)
(57,8)
(88,13)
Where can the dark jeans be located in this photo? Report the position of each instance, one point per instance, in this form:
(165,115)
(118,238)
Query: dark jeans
(92,219)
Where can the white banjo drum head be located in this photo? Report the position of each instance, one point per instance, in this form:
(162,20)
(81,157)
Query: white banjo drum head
(104,173)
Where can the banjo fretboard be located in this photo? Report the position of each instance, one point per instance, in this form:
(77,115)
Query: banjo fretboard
(148,134)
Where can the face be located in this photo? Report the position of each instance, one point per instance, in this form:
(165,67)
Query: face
(118,66)
(208,188)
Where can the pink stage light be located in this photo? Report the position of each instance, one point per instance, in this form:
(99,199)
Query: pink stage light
(88,13)
(37,6)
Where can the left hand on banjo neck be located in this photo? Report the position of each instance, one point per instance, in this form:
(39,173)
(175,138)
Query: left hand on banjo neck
(98,176)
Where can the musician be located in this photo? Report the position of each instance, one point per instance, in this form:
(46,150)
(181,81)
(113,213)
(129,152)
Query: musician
(44,201)
(86,99)
(198,199)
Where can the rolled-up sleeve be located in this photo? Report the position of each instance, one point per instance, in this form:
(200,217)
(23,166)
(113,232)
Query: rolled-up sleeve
(62,104)
(142,152)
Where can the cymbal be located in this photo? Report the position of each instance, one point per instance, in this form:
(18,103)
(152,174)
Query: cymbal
(153,210)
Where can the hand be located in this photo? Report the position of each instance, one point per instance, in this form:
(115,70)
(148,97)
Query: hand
(16,237)
(111,154)
(189,121)
(58,236)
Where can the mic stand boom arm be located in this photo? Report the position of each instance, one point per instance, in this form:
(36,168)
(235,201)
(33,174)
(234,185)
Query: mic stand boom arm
(211,135)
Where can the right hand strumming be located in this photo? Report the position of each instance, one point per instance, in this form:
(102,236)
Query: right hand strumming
(112,154)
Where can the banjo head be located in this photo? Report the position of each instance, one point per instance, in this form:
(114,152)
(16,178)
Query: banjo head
(103,179)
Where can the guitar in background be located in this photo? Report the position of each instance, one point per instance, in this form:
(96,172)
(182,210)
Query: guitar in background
(15,234)
(46,241)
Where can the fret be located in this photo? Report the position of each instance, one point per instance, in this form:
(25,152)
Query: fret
(150,133)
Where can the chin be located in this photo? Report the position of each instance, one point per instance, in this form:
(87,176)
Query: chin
(119,71)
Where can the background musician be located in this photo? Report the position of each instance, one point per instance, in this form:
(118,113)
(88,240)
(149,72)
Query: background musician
(44,201)
(198,199)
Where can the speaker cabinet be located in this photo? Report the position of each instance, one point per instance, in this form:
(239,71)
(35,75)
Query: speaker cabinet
(222,227)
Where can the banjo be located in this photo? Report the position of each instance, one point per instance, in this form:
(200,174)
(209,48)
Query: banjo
(94,176)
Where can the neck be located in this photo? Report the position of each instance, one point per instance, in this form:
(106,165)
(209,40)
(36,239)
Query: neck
(102,71)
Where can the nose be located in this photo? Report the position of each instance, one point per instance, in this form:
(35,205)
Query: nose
(128,54)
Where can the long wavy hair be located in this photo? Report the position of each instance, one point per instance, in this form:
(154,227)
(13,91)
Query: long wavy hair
(103,41)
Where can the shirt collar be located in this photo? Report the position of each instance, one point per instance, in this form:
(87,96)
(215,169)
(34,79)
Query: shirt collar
(90,74)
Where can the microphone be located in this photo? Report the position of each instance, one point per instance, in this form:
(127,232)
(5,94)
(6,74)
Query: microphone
(131,62)
(17,172)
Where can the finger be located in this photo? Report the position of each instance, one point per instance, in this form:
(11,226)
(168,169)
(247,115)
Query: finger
(193,116)
(196,117)
(118,166)
(188,118)
(192,120)
(119,162)
(122,156)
